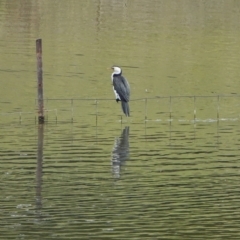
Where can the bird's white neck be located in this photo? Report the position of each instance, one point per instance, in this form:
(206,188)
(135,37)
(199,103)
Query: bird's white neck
(112,76)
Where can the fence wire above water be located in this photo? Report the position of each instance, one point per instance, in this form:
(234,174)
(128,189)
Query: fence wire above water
(159,108)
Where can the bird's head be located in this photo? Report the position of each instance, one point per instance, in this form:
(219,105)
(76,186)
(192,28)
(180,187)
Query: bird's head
(116,70)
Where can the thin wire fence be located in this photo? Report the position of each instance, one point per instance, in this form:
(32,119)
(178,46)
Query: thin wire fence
(220,107)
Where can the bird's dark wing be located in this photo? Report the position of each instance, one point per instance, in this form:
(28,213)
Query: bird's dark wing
(122,87)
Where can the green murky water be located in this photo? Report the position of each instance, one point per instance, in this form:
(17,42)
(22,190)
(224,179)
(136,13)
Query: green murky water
(171,170)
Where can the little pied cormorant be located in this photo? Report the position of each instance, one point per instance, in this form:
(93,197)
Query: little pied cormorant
(121,89)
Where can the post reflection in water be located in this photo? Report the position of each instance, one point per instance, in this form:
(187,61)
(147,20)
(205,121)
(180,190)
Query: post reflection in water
(120,152)
(39,167)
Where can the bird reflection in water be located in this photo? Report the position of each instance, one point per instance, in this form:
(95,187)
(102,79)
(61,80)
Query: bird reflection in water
(120,152)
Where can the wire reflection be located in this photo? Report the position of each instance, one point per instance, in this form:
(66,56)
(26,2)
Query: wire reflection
(120,152)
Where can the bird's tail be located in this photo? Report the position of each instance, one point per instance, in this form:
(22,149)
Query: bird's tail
(125,108)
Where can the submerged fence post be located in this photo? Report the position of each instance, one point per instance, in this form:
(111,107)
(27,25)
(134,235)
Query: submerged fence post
(170,108)
(96,110)
(40,81)
(72,108)
(145,109)
(194,111)
(218,99)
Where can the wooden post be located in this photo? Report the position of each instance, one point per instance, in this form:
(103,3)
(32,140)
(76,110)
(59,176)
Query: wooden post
(40,81)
